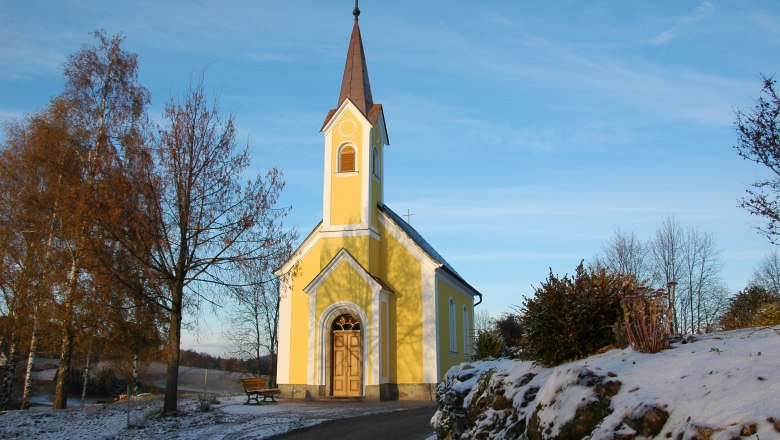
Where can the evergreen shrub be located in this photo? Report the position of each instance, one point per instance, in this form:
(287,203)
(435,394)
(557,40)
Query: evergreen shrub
(572,317)
(488,345)
(751,307)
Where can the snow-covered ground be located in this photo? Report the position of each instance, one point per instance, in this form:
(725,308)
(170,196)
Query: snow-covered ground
(229,418)
(723,380)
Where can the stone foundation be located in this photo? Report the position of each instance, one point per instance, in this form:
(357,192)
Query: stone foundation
(385,391)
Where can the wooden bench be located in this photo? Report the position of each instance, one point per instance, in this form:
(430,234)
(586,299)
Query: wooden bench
(255,387)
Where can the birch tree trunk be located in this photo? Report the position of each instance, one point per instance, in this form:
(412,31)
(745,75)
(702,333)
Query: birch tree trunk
(30,362)
(135,372)
(86,375)
(66,345)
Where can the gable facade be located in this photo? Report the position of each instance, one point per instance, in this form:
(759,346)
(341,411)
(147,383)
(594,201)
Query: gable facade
(367,307)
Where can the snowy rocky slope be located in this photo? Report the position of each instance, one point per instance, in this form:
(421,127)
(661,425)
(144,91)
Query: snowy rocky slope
(720,386)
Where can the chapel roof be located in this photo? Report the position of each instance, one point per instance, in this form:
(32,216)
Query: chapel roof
(424,245)
(355,84)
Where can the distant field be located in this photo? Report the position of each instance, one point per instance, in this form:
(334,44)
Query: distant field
(190,378)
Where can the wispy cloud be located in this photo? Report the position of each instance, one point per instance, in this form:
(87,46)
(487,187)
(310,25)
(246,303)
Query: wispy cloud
(20,62)
(701,12)
(266,57)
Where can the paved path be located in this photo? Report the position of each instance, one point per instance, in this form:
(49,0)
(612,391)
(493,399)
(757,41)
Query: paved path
(408,424)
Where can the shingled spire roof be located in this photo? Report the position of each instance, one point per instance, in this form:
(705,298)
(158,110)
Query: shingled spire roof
(355,84)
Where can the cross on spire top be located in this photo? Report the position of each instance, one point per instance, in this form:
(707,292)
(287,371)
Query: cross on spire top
(356,11)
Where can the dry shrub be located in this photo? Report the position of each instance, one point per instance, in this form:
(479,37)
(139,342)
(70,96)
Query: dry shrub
(646,320)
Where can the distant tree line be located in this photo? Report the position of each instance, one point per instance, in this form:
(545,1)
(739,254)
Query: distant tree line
(625,297)
(191,358)
(115,228)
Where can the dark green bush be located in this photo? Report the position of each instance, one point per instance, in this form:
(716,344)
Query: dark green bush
(509,329)
(488,345)
(752,307)
(570,318)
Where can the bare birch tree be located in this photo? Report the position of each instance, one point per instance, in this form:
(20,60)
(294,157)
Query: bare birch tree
(106,106)
(667,255)
(626,254)
(702,284)
(690,258)
(767,274)
(197,219)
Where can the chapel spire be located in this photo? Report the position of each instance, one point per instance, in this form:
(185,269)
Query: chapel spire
(355,84)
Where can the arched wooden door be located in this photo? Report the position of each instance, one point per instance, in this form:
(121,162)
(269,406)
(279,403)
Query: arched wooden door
(347,358)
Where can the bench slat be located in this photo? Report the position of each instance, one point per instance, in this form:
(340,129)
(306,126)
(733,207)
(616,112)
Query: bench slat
(254,387)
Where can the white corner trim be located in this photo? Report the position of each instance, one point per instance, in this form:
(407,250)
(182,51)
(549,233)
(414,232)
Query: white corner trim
(385,323)
(431,328)
(285,326)
(312,360)
(326,185)
(365,184)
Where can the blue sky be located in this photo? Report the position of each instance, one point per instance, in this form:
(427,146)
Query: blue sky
(522,134)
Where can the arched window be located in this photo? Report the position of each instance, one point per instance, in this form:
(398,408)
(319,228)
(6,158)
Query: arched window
(375,162)
(346,322)
(453,336)
(347,159)
(466,331)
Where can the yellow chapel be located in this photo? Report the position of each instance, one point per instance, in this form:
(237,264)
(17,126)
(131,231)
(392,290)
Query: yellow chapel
(368,308)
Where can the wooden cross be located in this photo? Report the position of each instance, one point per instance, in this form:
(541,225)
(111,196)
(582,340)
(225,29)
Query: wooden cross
(408,216)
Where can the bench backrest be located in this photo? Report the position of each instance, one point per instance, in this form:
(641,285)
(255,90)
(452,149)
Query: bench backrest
(254,383)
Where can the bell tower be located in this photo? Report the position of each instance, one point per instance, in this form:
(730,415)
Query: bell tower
(355,139)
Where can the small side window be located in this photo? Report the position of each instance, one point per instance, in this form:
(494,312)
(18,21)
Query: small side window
(375,161)
(347,159)
(453,336)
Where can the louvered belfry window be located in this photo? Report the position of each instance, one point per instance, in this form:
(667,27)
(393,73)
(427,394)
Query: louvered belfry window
(347,160)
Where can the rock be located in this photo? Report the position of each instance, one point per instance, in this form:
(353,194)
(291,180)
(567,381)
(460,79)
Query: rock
(701,432)
(529,396)
(625,435)
(748,429)
(567,384)
(501,403)
(647,420)
(525,379)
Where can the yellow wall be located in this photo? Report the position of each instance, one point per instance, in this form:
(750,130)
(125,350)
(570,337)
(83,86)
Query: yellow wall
(376,190)
(384,368)
(309,267)
(346,193)
(447,358)
(403,273)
